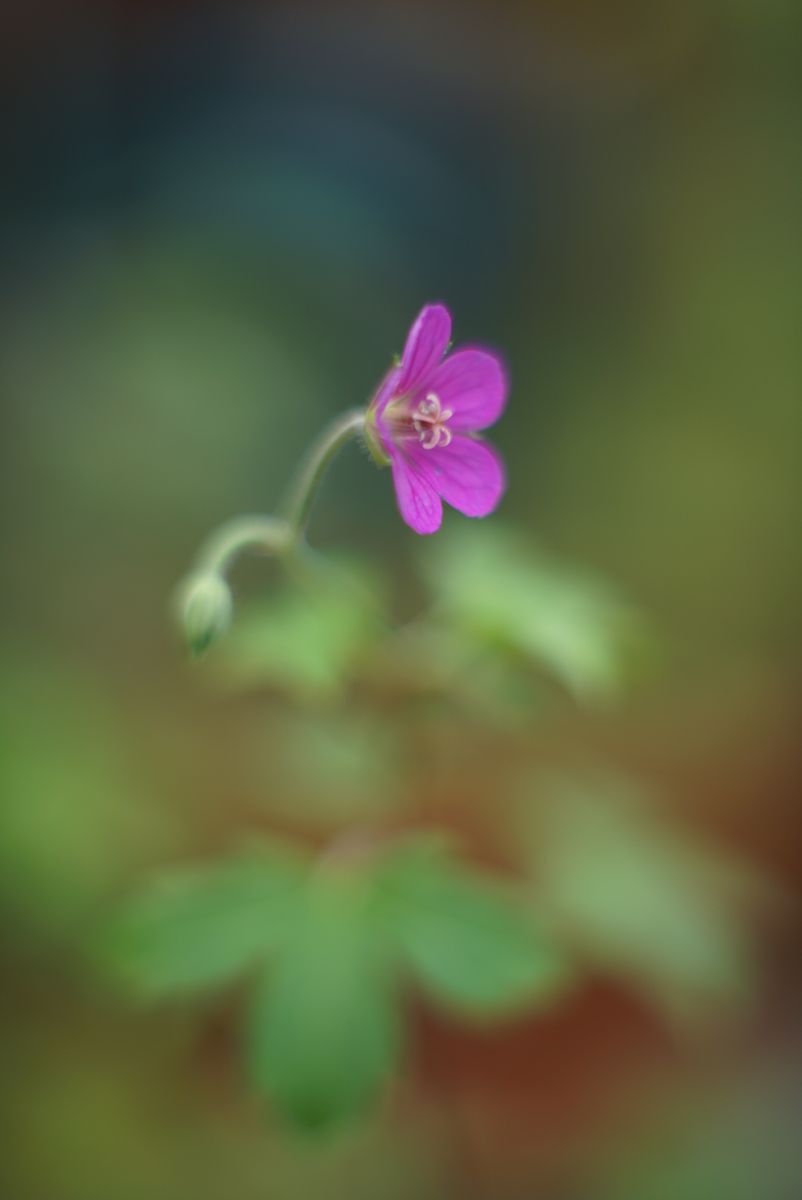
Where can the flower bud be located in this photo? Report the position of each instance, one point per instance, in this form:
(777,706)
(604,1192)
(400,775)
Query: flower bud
(205,607)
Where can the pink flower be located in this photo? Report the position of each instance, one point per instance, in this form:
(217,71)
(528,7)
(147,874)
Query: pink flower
(423,419)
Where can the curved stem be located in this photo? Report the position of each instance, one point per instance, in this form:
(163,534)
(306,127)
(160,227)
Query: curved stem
(204,598)
(271,535)
(313,467)
(279,535)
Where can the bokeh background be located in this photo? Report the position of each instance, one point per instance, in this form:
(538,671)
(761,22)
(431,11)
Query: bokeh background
(218,221)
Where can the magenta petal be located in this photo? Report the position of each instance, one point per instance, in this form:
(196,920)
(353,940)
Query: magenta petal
(418,501)
(473,384)
(468,474)
(427,342)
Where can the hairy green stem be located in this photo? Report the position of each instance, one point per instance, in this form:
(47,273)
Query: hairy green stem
(270,535)
(278,535)
(313,467)
(204,598)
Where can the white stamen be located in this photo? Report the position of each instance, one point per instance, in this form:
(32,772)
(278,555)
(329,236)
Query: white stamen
(429,422)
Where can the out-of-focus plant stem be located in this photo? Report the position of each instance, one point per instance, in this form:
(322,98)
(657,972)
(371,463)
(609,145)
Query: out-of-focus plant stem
(313,468)
(270,535)
(204,598)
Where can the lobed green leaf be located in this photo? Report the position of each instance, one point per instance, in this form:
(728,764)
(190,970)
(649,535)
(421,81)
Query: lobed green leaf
(304,639)
(502,591)
(464,936)
(201,926)
(324,1026)
(639,897)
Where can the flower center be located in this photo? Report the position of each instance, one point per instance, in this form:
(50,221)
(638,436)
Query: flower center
(429,422)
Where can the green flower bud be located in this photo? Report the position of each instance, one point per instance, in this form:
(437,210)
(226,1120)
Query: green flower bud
(205,607)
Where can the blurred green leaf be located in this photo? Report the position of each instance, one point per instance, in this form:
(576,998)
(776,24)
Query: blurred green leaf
(464,935)
(304,639)
(500,590)
(638,897)
(201,926)
(331,767)
(324,1028)
(72,816)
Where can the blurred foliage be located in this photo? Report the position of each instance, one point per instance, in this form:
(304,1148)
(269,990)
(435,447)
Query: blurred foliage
(464,936)
(330,767)
(308,637)
(498,607)
(72,818)
(202,926)
(336,937)
(501,592)
(325,1025)
(339,935)
(637,897)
